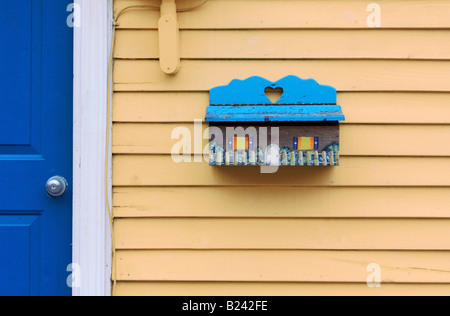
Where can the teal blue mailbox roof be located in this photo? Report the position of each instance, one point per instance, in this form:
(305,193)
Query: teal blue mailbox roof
(301,101)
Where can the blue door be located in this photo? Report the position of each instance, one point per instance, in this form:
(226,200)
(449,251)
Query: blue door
(35,145)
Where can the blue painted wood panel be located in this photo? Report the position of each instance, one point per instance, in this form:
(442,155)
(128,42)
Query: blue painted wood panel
(252,92)
(301,101)
(19,260)
(15,116)
(307,113)
(36,76)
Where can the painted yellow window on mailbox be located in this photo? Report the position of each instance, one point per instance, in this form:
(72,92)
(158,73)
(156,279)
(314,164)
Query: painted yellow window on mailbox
(300,129)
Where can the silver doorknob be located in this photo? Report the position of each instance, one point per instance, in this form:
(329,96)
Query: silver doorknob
(56,186)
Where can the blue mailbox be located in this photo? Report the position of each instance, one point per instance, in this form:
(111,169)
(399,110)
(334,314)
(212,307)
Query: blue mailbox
(248,129)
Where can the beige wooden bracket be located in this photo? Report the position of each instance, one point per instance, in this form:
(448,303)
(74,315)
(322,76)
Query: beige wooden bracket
(169,38)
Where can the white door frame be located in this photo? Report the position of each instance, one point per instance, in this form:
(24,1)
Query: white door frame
(91,233)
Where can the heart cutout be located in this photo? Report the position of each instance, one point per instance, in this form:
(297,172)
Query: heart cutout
(274,95)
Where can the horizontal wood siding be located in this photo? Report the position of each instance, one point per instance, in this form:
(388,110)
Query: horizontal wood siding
(158,170)
(279,233)
(273,14)
(191,229)
(344,75)
(360,107)
(356,140)
(258,202)
(292,44)
(277,289)
(282,266)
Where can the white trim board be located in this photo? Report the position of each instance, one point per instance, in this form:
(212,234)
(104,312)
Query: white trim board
(91,233)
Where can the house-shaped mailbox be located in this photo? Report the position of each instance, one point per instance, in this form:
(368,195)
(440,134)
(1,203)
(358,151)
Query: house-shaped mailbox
(300,129)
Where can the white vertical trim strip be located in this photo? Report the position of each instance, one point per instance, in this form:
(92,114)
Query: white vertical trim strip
(110,14)
(91,234)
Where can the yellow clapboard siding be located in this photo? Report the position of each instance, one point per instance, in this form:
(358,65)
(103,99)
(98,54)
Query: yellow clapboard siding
(133,170)
(357,140)
(282,266)
(192,229)
(276,289)
(251,14)
(344,75)
(359,107)
(300,234)
(291,44)
(282,202)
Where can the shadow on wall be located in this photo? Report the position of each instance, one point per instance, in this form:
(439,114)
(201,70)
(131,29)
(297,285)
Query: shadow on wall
(252,175)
